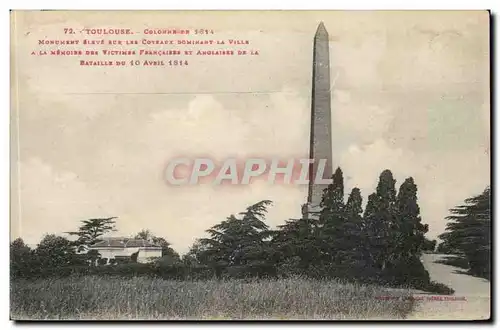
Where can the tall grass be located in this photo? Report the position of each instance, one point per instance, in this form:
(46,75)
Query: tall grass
(102,298)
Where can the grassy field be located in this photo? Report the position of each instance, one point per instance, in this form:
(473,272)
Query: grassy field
(99,298)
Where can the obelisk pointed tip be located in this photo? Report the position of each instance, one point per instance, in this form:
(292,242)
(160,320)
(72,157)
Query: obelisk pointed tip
(321,31)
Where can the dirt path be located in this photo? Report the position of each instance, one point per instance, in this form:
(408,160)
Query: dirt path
(472,295)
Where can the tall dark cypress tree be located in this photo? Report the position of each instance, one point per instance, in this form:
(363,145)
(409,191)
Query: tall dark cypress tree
(332,222)
(380,219)
(354,229)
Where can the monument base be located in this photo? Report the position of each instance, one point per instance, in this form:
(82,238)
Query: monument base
(311,211)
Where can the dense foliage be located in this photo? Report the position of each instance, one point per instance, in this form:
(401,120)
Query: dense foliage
(381,244)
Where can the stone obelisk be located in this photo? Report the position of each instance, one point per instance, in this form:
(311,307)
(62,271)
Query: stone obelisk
(321,125)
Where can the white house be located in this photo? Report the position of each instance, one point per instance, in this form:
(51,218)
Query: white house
(123,247)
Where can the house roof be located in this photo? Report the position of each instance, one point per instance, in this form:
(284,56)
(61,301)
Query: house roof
(123,242)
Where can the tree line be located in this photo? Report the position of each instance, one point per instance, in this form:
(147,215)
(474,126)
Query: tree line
(380,244)
(57,255)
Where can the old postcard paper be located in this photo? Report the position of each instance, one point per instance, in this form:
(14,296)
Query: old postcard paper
(303,165)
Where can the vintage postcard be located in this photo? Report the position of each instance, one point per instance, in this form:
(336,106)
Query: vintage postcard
(256,165)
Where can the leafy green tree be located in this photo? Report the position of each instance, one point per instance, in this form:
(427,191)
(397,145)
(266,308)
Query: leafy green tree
(354,246)
(410,230)
(469,231)
(144,234)
(408,238)
(18,248)
(239,242)
(55,251)
(91,230)
(21,258)
(332,222)
(327,245)
(198,254)
(294,246)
